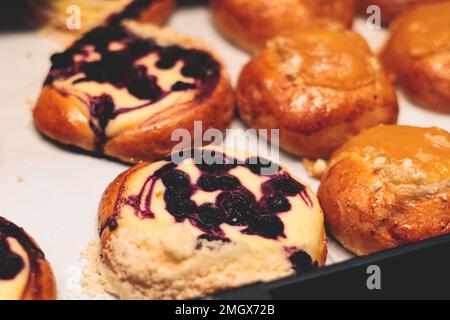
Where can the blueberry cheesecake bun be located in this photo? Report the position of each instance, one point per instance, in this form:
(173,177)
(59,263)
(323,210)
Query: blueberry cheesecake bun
(387,187)
(121,90)
(417,55)
(319,87)
(24,272)
(185,228)
(94,13)
(250,24)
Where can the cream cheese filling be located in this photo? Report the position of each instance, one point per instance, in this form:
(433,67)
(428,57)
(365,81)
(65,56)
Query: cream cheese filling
(125,101)
(302,223)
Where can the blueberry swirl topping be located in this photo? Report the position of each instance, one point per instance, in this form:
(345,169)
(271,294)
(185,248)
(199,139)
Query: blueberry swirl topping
(234,205)
(11,264)
(113,55)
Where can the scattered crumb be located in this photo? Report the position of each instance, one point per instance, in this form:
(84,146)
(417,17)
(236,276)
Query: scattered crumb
(444,197)
(20,179)
(377,185)
(316,169)
(440,141)
(424,157)
(30,103)
(93,281)
(379,162)
(291,67)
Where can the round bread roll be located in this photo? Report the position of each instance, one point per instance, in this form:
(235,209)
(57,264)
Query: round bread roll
(96,12)
(387,187)
(24,272)
(211,220)
(251,23)
(122,90)
(390,9)
(320,88)
(417,55)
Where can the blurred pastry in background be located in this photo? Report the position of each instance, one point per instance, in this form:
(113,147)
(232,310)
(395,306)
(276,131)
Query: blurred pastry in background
(24,272)
(390,9)
(250,24)
(387,187)
(417,55)
(122,90)
(185,229)
(96,12)
(320,87)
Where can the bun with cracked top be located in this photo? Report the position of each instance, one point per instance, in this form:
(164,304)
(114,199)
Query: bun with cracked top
(417,55)
(320,88)
(387,187)
(251,23)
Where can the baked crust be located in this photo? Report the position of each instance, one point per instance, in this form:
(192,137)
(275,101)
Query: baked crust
(159,12)
(387,187)
(95,13)
(41,284)
(390,9)
(251,23)
(63,117)
(317,98)
(111,224)
(417,55)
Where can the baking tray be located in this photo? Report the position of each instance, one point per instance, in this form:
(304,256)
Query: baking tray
(53,192)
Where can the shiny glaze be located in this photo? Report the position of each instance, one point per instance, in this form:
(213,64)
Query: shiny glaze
(121,69)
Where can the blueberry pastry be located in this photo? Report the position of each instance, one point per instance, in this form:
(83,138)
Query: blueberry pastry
(206,220)
(24,272)
(387,187)
(96,12)
(250,24)
(319,87)
(122,89)
(417,55)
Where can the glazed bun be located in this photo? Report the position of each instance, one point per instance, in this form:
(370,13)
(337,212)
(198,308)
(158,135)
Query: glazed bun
(251,23)
(24,272)
(390,9)
(387,187)
(320,88)
(184,229)
(96,12)
(417,55)
(122,90)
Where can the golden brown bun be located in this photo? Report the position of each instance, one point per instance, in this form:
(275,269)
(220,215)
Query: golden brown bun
(159,12)
(319,88)
(390,9)
(40,282)
(417,54)
(251,23)
(96,12)
(63,117)
(387,187)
